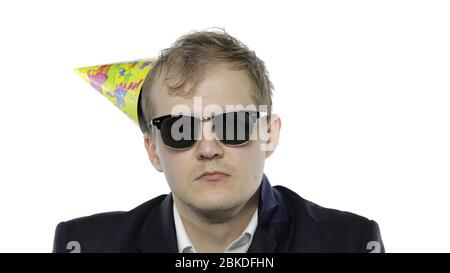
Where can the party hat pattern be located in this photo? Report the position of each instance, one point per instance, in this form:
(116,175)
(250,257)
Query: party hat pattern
(120,83)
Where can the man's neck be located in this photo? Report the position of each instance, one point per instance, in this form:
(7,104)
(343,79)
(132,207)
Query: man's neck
(213,237)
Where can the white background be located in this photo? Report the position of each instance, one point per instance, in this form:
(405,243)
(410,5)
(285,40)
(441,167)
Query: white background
(362,87)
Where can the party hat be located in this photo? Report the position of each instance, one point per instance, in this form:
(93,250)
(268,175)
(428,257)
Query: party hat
(121,83)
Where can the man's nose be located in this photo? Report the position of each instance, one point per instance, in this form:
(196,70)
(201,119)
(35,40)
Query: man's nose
(208,146)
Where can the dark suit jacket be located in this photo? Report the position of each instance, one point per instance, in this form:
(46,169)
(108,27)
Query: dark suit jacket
(286,223)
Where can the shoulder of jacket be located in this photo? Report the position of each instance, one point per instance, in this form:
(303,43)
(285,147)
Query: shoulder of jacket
(316,213)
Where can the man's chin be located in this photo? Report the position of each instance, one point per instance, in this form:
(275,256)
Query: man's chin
(208,201)
(216,213)
(215,202)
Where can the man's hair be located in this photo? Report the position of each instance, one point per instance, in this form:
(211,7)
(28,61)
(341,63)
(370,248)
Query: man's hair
(185,62)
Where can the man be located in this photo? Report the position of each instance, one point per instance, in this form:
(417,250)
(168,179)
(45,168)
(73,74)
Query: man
(206,116)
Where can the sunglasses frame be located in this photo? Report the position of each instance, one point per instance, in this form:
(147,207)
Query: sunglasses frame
(157,122)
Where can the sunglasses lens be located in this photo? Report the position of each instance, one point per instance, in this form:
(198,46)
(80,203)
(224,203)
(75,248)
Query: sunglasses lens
(234,128)
(179,132)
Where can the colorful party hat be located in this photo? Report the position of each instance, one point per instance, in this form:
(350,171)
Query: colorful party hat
(121,84)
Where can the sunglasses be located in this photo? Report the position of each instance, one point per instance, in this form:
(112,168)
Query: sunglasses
(182,131)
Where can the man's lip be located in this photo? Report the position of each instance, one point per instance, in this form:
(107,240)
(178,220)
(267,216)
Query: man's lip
(212,176)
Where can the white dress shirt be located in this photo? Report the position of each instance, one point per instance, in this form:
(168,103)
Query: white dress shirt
(240,245)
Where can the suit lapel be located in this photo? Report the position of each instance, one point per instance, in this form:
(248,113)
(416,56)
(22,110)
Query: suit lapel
(272,221)
(158,232)
(262,242)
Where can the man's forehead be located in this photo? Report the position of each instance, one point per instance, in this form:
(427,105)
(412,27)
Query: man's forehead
(219,90)
(199,108)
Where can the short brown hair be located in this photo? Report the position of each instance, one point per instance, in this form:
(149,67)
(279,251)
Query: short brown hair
(187,59)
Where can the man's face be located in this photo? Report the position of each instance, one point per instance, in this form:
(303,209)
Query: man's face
(242,165)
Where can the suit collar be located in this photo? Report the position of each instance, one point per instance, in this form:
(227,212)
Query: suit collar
(271,205)
(272,218)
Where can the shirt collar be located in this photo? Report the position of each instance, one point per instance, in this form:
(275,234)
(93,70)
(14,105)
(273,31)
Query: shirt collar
(240,245)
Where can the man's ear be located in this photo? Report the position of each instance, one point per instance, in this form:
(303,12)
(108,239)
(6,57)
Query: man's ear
(273,133)
(149,143)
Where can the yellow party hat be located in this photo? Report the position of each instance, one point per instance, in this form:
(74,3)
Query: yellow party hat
(121,83)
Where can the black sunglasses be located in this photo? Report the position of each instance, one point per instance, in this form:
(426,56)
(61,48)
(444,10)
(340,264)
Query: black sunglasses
(182,131)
